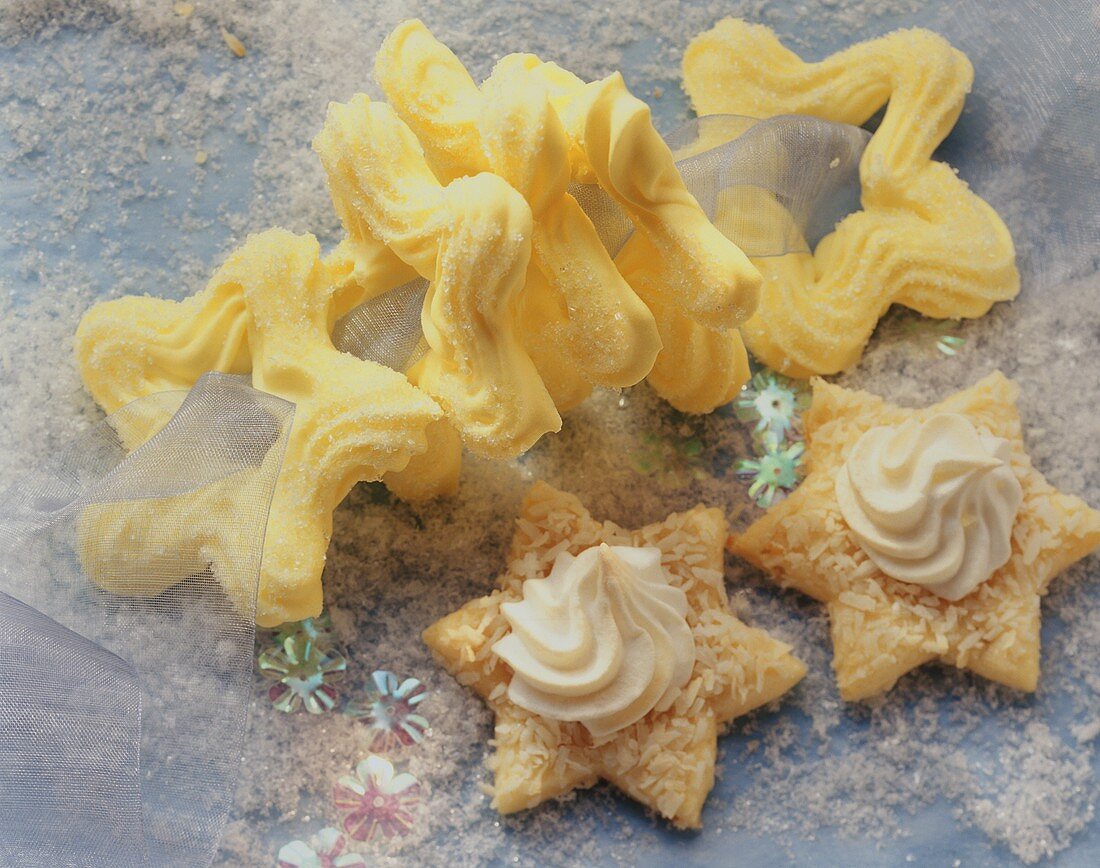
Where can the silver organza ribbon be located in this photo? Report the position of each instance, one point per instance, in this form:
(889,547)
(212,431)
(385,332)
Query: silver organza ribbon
(124,691)
(772,186)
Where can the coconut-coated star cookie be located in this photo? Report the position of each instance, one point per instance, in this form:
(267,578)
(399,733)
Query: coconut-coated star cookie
(666,759)
(881,627)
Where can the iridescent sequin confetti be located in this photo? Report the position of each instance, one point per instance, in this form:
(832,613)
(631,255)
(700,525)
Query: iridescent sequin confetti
(935,333)
(318,630)
(390,711)
(304,675)
(673,459)
(774,404)
(327,849)
(777,468)
(376,801)
(950,345)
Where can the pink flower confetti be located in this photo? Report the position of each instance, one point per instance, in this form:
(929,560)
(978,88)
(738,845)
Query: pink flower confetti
(327,849)
(376,801)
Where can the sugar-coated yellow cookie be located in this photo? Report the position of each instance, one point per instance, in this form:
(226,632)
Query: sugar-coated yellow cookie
(883,627)
(354,420)
(143,548)
(923,238)
(471,239)
(135,346)
(191,497)
(666,758)
(585,319)
(467,189)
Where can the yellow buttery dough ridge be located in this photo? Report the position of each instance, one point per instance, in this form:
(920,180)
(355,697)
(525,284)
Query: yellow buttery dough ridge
(583,320)
(471,240)
(336,440)
(923,239)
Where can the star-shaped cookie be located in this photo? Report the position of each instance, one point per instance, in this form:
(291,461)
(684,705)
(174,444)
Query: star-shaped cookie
(665,760)
(881,627)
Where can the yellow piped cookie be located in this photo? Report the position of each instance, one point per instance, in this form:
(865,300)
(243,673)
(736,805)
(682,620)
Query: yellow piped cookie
(923,238)
(337,438)
(135,346)
(354,420)
(471,239)
(143,548)
(524,307)
(541,127)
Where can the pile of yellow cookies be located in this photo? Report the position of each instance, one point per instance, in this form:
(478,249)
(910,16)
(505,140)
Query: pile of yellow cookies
(927,533)
(468,187)
(526,311)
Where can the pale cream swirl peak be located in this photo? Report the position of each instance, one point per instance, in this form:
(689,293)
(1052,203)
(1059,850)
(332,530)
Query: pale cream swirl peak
(932,503)
(602,640)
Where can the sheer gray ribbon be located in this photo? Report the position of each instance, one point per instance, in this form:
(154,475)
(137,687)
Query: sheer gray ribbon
(121,716)
(772,186)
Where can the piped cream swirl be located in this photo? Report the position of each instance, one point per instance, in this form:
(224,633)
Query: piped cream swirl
(602,640)
(932,503)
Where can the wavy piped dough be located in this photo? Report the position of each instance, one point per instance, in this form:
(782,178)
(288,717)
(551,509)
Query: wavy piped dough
(339,435)
(574,299)
(143,548)
(699,368)
(135,346)
(338,438)
(471,239)
(923,238)
(585,321)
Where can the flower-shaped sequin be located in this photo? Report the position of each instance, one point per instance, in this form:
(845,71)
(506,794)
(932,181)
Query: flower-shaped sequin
(774,404)
(327,849)
(950,345)
(304,674)
(376,801)
(778,468)
(318,630)
(390,711)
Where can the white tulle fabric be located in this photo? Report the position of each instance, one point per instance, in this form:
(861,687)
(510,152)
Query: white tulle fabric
(121,717)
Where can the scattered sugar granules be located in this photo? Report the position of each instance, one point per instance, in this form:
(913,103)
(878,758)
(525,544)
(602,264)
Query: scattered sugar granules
(102,193)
